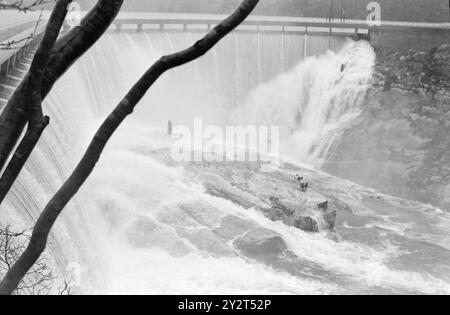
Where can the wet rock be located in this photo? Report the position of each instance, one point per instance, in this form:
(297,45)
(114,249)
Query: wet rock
(202,212)
(441,60)
(417,71)
(279,211)
(268,247)
(330,218)
(329,215)
(232,227)
(207,241)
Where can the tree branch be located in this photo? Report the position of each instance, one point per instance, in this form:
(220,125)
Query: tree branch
(87,164)
(80,39)
(17,44)
(22,5)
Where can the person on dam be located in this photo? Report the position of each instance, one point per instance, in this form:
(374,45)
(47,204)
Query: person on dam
(343,18)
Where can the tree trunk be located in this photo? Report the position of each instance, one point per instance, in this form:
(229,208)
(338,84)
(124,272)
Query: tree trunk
(23,152)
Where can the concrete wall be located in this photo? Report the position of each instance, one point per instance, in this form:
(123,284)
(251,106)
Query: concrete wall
(7,64)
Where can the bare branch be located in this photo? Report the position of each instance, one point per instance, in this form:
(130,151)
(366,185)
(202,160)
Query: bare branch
(23,6)
(39,280)
(19,43)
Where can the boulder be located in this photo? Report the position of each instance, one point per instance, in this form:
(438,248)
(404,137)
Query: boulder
(261,244)
(232,227)
(268,247)
(305,219)
(307,224)
(329,215)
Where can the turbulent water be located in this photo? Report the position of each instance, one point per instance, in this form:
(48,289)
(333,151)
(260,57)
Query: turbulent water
(142,226)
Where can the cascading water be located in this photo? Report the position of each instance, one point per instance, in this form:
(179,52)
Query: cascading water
(139,226)
(313,102)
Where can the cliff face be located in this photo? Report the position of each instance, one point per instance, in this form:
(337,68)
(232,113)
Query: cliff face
(414,71)
(400,144)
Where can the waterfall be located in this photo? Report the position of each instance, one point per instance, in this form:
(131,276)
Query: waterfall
(138,226)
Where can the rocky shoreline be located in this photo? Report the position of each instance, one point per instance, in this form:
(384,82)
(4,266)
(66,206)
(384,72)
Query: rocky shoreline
(425,72)
(400,145)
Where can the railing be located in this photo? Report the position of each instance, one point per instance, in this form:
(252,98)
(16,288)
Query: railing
(22,43)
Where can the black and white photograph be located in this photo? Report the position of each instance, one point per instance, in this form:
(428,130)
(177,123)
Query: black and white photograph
(224,153)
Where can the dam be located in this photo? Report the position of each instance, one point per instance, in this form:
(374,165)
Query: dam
(142,219)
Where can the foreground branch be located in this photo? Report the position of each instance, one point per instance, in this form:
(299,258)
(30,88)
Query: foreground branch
(32,98)
(54,208)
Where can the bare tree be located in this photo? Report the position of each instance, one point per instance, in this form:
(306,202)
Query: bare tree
(87,164)
(37,281)
(41,279)
(54,56)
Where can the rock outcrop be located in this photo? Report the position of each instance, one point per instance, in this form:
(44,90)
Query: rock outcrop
(427,72)
(400,144)
(276,194)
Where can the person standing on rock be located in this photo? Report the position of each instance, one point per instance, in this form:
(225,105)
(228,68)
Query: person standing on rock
(304,186)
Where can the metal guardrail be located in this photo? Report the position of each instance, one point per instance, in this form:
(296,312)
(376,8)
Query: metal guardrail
(135,21)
